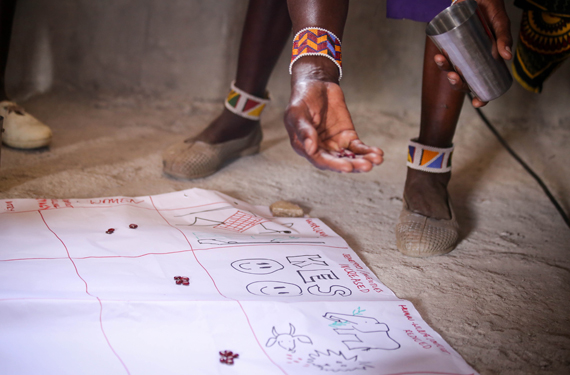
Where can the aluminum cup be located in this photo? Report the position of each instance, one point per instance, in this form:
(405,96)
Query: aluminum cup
(462,35)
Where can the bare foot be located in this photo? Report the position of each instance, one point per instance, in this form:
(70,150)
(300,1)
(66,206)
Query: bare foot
(426,193)
(226,127)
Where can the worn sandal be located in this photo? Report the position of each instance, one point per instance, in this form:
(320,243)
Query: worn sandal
(22,130)
(418,235)
(195,159)
(421,236)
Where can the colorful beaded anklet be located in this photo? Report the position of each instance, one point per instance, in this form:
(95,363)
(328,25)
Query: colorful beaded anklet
(314,41)
(429,159)
(245,105)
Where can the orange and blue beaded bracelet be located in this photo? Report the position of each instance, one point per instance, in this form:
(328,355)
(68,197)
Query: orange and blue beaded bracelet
(314,41)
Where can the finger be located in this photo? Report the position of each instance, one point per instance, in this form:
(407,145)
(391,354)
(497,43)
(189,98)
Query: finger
(325,160)
(504,45)
(362,164)
(321,159)
(298,146)
(443,63)
(359,147)
(456,82)
(478,103)
(501,26)
(373,158)
(371,154)
(301,130)
(359,162)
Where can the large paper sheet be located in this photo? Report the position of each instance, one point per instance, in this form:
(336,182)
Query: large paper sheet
(286,294)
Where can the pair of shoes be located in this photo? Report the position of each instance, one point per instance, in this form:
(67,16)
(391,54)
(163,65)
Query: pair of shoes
(418,235)
(22,130)
(421,236)
(196,159)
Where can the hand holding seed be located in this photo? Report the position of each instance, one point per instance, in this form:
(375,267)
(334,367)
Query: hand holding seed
(320,127)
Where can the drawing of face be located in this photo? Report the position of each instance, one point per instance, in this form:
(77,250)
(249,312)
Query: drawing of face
(257,266)
(274,288)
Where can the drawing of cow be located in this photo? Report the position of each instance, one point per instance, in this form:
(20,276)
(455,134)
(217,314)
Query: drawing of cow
(287,340)
(367,332)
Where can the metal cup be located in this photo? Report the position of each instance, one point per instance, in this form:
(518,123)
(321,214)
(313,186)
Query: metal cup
(462,35)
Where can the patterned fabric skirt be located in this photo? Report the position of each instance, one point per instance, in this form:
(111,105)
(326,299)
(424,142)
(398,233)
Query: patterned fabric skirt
(544,41)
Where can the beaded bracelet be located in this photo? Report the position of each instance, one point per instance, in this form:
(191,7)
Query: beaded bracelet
(429,159)
(314,41)
(244,104)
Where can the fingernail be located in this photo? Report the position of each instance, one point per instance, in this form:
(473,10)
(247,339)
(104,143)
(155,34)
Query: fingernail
(308,145)
(452,81)
(438,63)
(508,49)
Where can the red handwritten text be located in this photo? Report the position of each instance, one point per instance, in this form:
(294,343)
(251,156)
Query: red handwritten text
(365,274)
(315,227)
(115,201)
(429,338)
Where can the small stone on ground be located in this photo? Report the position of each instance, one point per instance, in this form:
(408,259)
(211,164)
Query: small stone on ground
(286,209)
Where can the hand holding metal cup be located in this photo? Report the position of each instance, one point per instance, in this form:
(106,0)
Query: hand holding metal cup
(463,37)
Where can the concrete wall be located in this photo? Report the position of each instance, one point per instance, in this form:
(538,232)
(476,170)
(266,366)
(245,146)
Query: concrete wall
(188,48)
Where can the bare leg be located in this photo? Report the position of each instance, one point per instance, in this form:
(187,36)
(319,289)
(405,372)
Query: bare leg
(426,193)
(7,8)
(267,28)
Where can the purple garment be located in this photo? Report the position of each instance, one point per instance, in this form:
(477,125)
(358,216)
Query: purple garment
(417,10)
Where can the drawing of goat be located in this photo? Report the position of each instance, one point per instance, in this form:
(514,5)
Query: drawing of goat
(287,340)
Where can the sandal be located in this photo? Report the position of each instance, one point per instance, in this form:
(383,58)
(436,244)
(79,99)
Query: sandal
(418,235)
(195,159)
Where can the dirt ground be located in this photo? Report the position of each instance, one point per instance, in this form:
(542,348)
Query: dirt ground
(501,299)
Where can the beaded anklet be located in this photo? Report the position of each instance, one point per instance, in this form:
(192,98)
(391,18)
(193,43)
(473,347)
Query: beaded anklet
(245,105)
(314,41)
(429,159)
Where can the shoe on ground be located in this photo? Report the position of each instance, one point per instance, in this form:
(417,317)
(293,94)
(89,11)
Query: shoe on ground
(22,130)
(421,236)
(196,159)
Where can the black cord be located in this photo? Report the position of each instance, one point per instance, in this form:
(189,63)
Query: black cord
(524,165)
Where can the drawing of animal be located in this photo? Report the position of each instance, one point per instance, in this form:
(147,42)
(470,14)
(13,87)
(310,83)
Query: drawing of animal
(287,340)
(367,332)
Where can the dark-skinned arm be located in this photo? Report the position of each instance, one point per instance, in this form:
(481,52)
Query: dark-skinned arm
(317,118)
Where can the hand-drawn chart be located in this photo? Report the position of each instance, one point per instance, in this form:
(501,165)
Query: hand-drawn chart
(196,282)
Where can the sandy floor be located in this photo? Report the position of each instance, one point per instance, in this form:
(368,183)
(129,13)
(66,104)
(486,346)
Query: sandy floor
(501,299)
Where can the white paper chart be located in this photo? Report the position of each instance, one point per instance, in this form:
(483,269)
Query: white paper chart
(196,282)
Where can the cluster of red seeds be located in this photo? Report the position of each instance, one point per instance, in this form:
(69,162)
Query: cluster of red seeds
(112,230)
(181,280)
(344,153)
(227,357)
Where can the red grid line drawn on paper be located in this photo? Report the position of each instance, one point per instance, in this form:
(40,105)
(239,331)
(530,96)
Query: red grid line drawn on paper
(240,222)
(88,293)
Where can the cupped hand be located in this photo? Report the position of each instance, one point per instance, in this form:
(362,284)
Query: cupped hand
(320,126)
(498,20)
